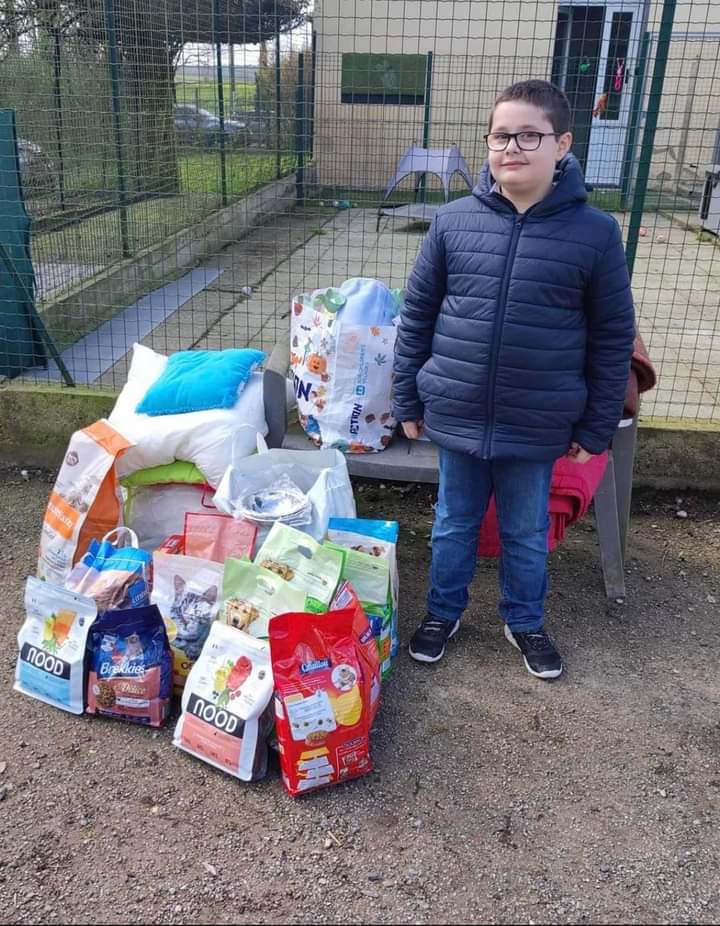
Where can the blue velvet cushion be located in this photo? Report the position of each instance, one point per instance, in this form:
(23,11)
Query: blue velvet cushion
(197,380)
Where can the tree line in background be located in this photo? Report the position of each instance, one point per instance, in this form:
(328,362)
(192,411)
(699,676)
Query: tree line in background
(54,53)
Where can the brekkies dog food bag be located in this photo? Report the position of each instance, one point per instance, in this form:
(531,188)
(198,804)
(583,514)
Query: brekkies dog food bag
(322,710)
(130,674)
(52,644)
(226,705)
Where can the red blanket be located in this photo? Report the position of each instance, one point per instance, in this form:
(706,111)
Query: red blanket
(642,377)
(572,490)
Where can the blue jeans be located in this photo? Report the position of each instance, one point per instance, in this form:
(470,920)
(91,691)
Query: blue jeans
(522,491)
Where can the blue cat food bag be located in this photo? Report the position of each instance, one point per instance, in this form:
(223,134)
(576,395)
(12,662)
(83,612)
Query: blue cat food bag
(188,592)
(52,640)
(114,576)
(130,675)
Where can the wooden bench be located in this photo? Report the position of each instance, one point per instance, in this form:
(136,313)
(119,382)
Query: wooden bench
(416,461)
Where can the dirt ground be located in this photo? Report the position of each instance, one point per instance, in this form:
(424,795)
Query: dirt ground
(496,798)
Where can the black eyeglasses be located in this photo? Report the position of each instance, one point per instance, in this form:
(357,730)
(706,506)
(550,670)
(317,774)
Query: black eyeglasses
(526,141)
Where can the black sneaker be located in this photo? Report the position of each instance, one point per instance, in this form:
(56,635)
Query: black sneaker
(429,640)
(539,654)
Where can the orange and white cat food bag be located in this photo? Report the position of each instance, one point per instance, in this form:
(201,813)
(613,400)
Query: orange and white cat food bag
(226,705)
(85,502)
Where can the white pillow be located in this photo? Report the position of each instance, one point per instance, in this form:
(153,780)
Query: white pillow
(209,439)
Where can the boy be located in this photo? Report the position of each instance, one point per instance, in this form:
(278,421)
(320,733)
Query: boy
(513,350)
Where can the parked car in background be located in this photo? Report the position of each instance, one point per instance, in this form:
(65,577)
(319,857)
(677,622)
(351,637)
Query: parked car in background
(37,171)
(194,126)
(261,125)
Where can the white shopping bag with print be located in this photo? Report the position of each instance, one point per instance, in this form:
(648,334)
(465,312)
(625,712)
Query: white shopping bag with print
(343,372)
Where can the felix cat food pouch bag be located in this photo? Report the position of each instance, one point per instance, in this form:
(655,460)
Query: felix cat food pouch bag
(322,709)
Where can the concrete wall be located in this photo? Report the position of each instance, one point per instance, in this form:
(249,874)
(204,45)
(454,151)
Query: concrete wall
(689,112)
(36,423)
(479,49)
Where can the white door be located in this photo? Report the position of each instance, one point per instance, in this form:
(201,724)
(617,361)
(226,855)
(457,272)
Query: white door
(613,93)
(596,54)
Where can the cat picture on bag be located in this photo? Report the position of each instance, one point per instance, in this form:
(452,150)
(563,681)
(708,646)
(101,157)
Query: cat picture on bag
(193,612)
(79,496)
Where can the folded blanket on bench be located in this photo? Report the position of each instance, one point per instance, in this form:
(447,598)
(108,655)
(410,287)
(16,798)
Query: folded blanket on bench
(572,490)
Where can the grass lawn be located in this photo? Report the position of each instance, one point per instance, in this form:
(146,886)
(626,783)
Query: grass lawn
(203,93)
(607,200)
(97,240)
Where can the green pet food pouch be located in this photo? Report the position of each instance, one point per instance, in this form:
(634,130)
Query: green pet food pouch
(303,563)
(253,595)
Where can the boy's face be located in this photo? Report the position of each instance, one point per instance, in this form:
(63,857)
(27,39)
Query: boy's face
(525,172)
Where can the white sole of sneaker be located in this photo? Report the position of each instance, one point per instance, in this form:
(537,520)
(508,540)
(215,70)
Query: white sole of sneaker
(551,673)
(421,657)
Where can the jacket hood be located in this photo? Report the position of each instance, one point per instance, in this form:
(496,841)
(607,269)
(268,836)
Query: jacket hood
(569,187)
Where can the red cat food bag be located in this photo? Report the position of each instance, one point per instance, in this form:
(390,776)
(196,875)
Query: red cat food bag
(226,705)
(85,502)
(130,674)
(218,536)
(322,709)
(174,545)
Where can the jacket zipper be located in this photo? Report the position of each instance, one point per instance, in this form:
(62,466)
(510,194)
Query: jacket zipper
(497,334)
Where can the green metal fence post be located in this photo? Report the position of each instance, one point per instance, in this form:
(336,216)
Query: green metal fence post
(300,129)
(278,103)
(58,115)
(221,102)
(311,117)
(426,121)
(113,60)
(646,149)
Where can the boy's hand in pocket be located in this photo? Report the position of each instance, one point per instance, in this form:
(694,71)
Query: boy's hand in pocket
(413,429)
(576,454)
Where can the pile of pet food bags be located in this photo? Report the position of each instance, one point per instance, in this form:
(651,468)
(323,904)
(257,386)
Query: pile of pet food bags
(267,634)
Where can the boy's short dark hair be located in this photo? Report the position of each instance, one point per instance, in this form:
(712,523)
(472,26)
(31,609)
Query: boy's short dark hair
(545,96)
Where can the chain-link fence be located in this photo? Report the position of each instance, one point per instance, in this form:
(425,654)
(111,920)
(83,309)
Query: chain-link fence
(189,166)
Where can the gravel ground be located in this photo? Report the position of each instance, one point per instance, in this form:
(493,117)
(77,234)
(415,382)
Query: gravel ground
(496,798)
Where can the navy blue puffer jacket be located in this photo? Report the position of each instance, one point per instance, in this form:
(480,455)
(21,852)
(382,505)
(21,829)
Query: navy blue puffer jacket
(517,330)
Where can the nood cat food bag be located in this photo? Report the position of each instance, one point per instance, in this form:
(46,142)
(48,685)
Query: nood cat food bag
(85,502)
(130,674)
(187,591)
(253,595)
(302,562)
(322,714)
(52,643)
(226,705)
